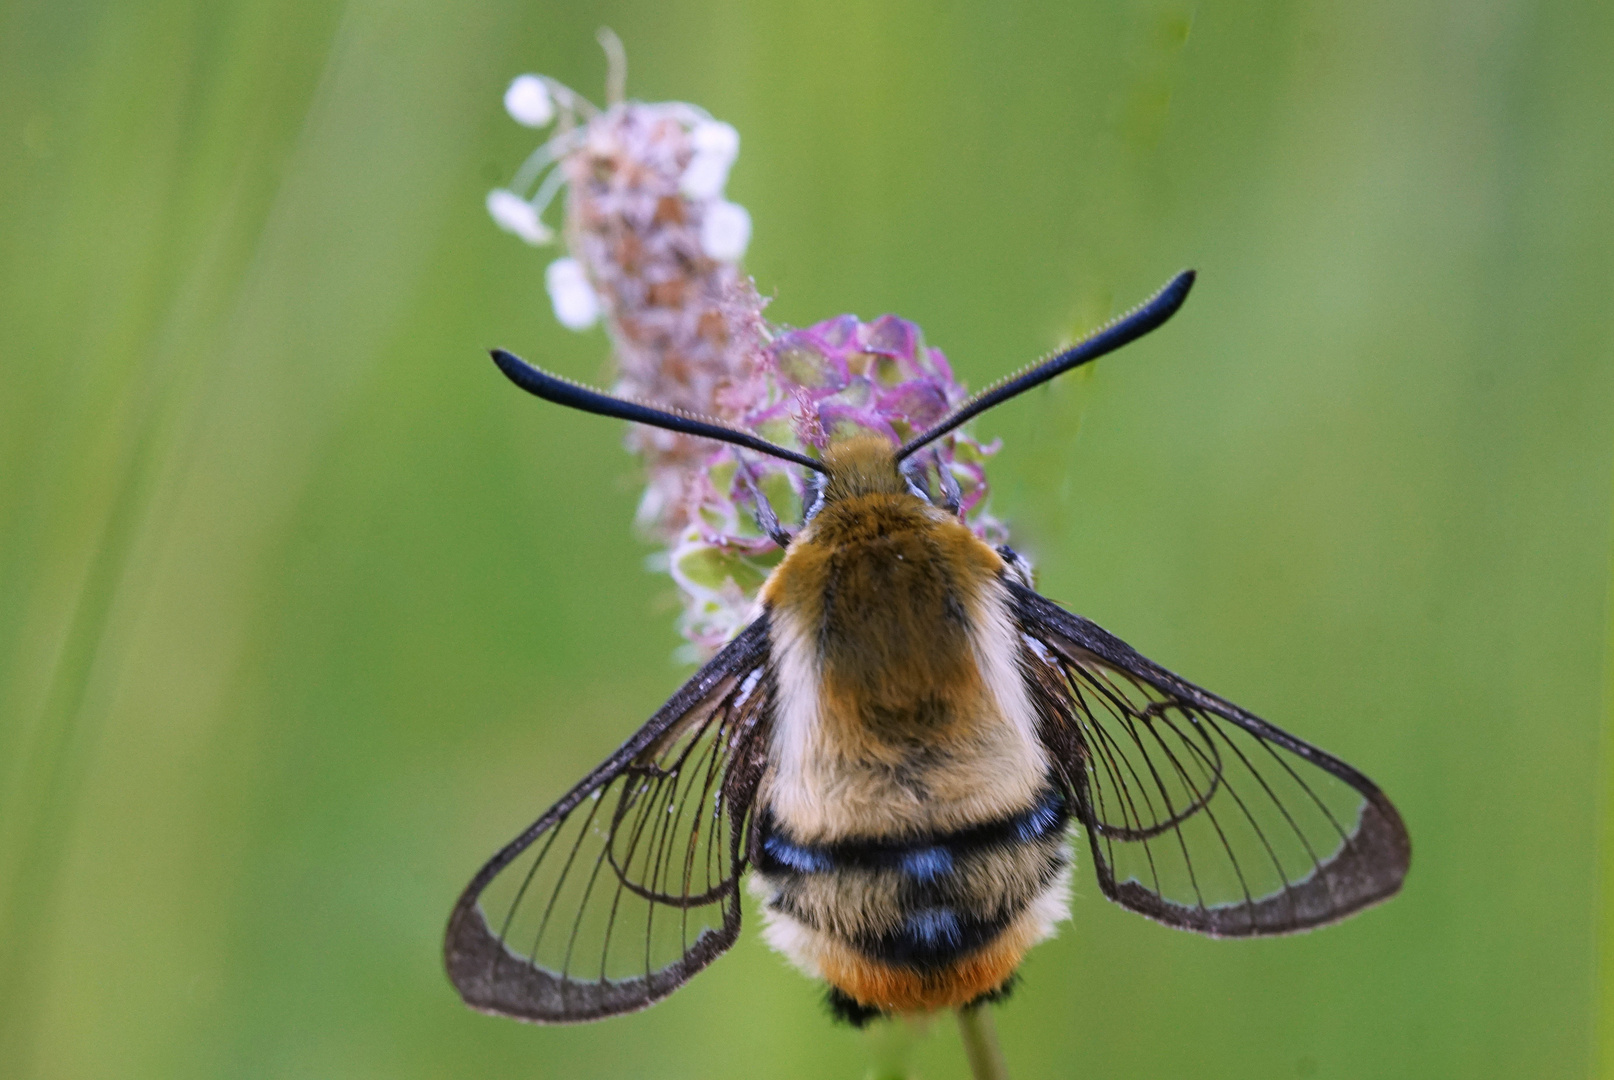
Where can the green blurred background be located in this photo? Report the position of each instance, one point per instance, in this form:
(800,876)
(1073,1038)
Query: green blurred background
(304,611)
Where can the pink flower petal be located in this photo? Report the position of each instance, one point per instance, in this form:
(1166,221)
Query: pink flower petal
(891,336)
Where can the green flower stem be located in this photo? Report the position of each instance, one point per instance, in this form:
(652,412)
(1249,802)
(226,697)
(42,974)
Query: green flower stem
(891,1043)
(980,1037)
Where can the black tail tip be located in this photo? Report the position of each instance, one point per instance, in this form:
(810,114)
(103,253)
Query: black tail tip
(848,1010)
(998,996)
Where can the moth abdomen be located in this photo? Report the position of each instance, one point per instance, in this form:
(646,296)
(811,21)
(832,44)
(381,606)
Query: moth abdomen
(912,918)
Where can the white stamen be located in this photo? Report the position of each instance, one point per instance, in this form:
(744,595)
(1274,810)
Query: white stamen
(616,65)
(528,101)
(540,159)
(725,231)
(548,190)
(516,215)
(577,306)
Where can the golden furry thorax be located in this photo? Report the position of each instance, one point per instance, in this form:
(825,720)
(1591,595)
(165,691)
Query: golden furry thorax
(889,584)
(882,600)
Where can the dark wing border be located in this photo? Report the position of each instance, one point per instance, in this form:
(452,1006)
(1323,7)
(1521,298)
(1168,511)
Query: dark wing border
(491,978)
(1367,869)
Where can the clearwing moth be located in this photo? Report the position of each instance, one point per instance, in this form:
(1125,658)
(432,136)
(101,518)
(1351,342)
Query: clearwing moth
(896,749)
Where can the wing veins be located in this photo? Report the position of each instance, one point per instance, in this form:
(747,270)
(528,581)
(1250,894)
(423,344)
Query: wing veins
(645,808)
(577,845)
(1123,792)
(1368,866)
(687,744)
(1123,712)
(526,881)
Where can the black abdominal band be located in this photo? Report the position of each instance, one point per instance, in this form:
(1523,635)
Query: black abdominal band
(935,932)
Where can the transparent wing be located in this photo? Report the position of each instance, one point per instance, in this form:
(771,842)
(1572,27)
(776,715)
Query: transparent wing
(1200,815)
(630,884)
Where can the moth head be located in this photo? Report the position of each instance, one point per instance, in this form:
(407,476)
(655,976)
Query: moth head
(862,465)
(868,465)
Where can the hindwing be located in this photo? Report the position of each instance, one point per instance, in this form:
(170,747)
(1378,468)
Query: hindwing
(1199,814)
(629,884)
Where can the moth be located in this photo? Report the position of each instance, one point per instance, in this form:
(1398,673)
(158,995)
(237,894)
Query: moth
(897,749)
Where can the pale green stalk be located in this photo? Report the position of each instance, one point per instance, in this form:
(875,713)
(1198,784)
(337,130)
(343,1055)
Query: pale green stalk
(980,1037)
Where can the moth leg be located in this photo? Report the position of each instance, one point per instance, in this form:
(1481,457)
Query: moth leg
(767,520)
(812,496)
(913,474)
(952,498)
(917,477)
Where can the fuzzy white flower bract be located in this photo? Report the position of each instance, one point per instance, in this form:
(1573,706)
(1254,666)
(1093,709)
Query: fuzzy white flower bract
(516,215)
(577,306)
(705,176)
(725,231)
(528,101)
(716,138)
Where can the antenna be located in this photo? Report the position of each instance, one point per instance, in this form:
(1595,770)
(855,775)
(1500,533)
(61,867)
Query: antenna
(575,396)
(1120,331)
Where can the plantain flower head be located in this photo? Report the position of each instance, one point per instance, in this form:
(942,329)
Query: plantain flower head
(653,247)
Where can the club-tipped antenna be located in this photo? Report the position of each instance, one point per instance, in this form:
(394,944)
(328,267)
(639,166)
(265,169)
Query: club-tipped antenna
(565,392)
(1127,328)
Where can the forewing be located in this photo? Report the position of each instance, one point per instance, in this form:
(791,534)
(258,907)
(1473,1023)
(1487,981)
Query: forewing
(1199,814)
(630,884)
